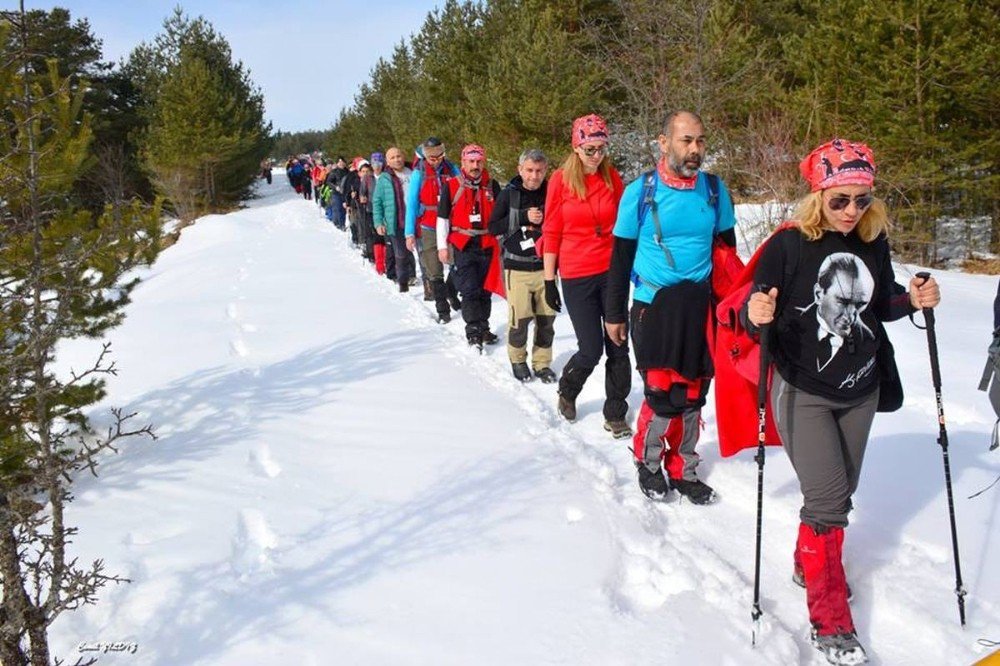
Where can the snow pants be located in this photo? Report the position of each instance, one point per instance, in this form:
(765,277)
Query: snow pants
(825,441)
(584,298)
(471,267)
(666,435)
(526,303)
(405,264)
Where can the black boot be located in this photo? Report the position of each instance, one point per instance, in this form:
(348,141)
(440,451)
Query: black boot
(521,372)
(653,484)
(452,292)
(441,300)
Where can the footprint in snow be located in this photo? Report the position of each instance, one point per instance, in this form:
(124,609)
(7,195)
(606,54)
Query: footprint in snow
(262,462)
(253,543)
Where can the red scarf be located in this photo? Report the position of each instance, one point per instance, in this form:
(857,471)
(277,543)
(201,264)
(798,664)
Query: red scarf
(670,180)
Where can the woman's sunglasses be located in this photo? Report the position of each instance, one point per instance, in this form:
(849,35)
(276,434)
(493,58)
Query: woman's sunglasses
(590,151)
(842,201)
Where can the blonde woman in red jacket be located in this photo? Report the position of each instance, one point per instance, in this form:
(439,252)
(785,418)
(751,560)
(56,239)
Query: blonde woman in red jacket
(580,211)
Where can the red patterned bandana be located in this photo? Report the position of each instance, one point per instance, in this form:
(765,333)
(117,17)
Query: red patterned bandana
(674,181)
(838,162)
(589,128)
(473,152)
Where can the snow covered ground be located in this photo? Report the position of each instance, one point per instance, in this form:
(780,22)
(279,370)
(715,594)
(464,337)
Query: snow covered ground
(340,480)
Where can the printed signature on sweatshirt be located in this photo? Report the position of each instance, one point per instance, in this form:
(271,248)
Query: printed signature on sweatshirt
(855,377)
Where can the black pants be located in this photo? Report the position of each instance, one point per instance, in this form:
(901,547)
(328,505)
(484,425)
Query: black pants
(405,264)
(390,257)
(584,298)
(471,267)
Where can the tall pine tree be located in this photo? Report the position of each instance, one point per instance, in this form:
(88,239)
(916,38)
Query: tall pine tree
(62,275)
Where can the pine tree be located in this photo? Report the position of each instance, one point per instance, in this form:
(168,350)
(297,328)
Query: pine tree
(197,136)
(62,275)
(536,81)
(913,79)
(189,52)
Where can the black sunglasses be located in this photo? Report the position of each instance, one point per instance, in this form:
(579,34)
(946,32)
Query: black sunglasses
(590,151)
(842,201)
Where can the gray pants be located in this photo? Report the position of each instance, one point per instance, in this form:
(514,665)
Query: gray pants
(433,268)
(825,440)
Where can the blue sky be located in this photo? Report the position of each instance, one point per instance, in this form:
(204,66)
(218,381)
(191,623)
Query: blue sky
(308,58)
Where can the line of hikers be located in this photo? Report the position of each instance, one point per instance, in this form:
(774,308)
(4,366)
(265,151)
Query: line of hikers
(822,284)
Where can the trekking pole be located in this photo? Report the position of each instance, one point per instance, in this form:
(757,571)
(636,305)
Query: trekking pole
(943,442)
(756,613)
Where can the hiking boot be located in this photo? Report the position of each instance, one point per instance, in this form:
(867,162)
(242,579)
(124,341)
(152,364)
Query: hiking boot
(488,338)
(839,649)
(696,491)
(474,340)
(567,408)
(799,578)
(403,287)
(618,428)
(653,484)
(521,372)
(546,375)
(444,317)
(428,292)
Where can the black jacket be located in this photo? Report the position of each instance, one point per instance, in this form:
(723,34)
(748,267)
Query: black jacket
(335,178)
(516,234)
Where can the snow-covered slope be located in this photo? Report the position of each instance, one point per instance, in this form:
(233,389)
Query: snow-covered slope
(340,480)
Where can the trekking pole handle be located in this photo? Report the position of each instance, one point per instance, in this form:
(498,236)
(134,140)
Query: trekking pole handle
(928,312)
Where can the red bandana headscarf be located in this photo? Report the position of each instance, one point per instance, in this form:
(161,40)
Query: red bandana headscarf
(838,162)
(589,128)
(474,152)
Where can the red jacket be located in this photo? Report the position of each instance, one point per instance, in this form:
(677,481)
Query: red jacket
(736,358)
(428,195)
(579,231)
(459,211)
(463,207)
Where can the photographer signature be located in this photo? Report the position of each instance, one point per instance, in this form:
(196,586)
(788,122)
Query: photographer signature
(101,646)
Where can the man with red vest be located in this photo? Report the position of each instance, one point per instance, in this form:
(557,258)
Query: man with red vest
(429,176)
(463,216)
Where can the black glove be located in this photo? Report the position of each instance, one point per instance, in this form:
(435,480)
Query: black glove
(552,296)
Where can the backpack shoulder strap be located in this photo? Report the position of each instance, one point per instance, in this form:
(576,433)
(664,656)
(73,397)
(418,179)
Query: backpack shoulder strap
(458,193)
(514,208)
(713,192)
(647,201)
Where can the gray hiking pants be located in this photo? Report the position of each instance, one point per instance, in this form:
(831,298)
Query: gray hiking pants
(825,440)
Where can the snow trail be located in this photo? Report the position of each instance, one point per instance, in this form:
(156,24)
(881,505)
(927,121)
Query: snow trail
(400,498)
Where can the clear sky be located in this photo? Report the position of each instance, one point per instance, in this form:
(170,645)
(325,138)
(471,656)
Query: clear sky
(308,58)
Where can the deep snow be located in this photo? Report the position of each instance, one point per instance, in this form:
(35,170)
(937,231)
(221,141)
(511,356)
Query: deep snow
(340,480)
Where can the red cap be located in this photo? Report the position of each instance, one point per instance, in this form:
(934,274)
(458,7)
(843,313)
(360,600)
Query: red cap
(589,128)
(838,162)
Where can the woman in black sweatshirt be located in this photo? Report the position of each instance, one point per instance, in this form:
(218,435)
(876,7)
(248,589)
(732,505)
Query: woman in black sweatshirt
(827,285)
